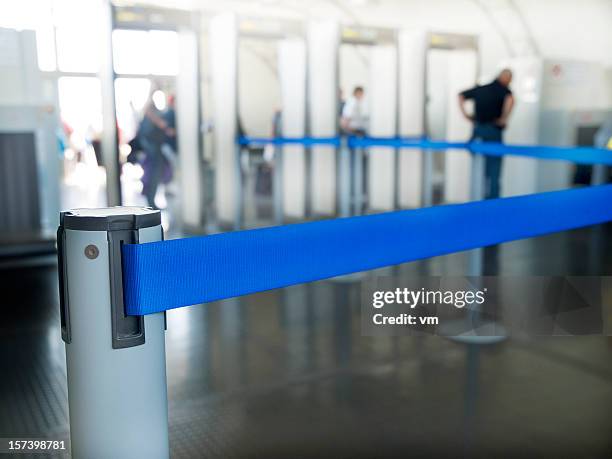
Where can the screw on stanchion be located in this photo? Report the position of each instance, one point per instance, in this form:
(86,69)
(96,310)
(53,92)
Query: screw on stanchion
(92,252)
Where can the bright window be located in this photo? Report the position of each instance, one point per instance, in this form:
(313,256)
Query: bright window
(139,52)
(164,49)
(78,35)
(131,95)
(24,14)
(80,101)
(131,53)
(45,48)
(78,49)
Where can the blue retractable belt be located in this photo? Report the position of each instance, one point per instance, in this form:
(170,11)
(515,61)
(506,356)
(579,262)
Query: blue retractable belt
(175,273)
(578,155)
(306,141)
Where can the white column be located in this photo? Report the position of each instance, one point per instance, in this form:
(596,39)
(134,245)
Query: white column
(519,174)
(188,129)
(292,77)
(323,44)
(224,72)
(462,68)
(109,141)
(382,100)
(411,49)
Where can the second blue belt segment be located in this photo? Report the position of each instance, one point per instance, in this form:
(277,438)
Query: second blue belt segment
(577,155)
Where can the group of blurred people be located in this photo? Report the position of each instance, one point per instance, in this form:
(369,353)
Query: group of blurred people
(155,147)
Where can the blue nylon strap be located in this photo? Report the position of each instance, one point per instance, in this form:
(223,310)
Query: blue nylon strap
(170,274)
(306,141)
(578,155)
(404,142)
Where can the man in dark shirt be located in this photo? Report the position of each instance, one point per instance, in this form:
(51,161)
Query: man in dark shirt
(492,106)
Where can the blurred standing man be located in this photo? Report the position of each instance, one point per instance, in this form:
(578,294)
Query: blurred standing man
(354,121)
(153,133)
(492,106)
(355,114)
(169,116)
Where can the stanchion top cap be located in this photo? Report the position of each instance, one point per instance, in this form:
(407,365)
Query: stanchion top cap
(110,218)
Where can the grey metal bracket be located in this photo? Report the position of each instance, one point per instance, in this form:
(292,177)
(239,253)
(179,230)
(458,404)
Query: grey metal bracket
(121,226)
(127,331)
(63,284)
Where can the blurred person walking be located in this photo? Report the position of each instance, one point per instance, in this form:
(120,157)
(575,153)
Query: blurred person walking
(155,134)
(169,116)
(493,104)
(354,119)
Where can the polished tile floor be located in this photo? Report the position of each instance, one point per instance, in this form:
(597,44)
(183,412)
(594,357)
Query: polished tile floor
(287,373)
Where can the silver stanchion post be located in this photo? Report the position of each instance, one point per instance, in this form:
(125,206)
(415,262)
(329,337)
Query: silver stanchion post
(427,178)
(238,190)
(358,181)
(477,185)
(474,328)
(278,185)
(345,178)
(116,364)
(308,187)
(598,174)
(483,331)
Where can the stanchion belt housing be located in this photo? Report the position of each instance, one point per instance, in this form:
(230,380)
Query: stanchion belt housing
(121,225)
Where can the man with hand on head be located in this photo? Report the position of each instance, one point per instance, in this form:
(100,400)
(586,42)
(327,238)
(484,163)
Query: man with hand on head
(493,103)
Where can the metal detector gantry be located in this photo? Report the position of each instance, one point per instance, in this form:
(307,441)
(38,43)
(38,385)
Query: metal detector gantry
(351,199)
(291,162)
(189,114)
(450,42)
